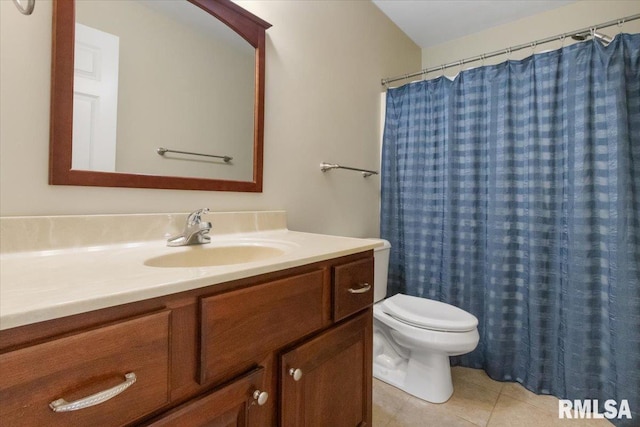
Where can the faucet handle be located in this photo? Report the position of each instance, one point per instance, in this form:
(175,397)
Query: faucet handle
(196,216)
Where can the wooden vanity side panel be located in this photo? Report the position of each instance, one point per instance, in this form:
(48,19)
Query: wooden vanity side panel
(237,327)
(83,364)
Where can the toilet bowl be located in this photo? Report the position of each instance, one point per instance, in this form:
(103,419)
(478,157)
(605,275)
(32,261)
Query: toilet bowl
(414,337)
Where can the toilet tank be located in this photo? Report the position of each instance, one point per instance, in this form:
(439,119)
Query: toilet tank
(381,269)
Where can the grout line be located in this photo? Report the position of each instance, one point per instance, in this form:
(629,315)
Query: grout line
(493,408)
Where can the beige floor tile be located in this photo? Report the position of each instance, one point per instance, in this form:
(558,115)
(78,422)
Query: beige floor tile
(477,401)
(387,400)
(379,417)
(417,413)
(510,412)
(590,423)
(472,402)
(476,376)
(549,404)
(469,401)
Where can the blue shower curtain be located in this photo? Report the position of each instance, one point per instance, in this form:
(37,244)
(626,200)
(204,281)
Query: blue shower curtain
(513,192)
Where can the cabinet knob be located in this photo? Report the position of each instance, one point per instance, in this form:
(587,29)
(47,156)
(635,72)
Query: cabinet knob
(296,374)
(260,397)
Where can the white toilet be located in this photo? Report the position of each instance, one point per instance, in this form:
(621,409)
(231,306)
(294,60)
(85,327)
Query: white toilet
(414,337)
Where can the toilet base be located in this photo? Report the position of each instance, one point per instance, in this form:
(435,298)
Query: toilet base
(426,376)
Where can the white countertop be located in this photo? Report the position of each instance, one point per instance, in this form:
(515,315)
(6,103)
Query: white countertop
(43,285)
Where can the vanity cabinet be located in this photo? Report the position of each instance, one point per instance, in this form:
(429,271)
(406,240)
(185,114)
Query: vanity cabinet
(289,348)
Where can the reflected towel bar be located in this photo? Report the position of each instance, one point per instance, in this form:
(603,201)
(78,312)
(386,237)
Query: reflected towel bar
(365,172)
(161,152)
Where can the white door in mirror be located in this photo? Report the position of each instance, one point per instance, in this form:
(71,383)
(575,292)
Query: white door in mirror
(95,100)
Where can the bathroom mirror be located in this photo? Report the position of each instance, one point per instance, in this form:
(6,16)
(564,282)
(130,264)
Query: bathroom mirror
(157,94)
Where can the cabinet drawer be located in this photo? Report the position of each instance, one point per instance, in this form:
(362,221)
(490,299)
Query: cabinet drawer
(238,326)
(352,287)
(80,365)
(234,404)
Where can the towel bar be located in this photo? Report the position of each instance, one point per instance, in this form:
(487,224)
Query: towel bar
(161,152)
(328,166)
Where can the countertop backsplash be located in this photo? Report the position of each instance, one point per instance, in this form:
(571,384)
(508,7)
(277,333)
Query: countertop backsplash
(44,233)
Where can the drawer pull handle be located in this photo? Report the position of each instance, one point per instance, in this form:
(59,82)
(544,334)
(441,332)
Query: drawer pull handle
(296,374)
(364,288)
(260,397)
(62,405)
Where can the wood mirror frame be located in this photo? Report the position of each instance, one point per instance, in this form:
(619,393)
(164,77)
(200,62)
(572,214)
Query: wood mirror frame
(250,27)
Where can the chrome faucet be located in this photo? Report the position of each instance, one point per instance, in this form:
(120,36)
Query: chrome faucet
(195,231)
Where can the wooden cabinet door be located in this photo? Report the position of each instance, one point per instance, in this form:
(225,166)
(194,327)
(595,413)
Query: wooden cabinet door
(327,380)
(237,404)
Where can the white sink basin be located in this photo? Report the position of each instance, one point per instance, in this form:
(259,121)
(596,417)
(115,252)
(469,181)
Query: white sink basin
(218,255)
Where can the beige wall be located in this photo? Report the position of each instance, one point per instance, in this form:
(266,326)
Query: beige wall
(575,16)
(325,60)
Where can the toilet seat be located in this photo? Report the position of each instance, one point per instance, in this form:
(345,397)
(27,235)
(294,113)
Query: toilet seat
(428,314)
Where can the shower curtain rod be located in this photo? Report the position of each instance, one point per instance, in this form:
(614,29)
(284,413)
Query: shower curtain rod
(508,50)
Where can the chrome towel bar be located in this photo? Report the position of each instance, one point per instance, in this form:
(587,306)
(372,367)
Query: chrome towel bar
(365,172)
(161,152)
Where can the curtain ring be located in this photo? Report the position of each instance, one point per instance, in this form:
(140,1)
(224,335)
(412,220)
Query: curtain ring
(562,37)
(533,47)
(620,24)
(592,31)
(508,53)
(442,69)
(483,57)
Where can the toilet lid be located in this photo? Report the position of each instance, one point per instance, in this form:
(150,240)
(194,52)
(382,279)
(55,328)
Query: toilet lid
(429,314)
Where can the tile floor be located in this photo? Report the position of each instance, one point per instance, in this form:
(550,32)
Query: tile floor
(477,401)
